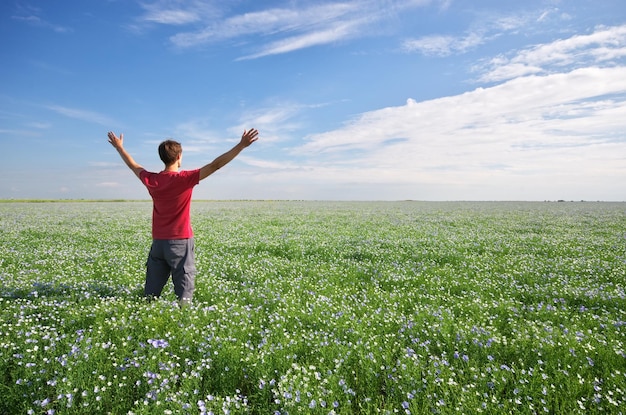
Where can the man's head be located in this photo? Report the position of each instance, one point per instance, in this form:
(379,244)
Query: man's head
(170,152)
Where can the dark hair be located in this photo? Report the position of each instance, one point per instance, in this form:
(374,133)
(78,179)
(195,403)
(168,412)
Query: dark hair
(169,150)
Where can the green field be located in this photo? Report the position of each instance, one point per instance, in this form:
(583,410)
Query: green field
(318,308)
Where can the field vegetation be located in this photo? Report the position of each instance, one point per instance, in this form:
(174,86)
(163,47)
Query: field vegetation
(318,308)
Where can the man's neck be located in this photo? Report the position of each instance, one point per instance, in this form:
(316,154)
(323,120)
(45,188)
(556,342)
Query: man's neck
(172,168)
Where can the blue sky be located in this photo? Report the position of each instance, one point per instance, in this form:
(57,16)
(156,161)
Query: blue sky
(354,100)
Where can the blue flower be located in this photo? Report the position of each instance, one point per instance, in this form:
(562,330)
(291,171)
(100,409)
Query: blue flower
(158,343)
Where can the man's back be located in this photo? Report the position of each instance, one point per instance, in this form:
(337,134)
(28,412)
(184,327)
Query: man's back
(171,198)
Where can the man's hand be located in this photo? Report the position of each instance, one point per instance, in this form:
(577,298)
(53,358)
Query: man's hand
(117,142)
(249,137)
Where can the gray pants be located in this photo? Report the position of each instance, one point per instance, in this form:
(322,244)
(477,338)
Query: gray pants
(171,257)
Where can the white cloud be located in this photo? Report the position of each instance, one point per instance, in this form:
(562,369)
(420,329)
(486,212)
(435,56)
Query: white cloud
(604,46)
(513,101)
(537,128)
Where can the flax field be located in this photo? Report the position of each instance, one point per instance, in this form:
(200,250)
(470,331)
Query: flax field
(318,308)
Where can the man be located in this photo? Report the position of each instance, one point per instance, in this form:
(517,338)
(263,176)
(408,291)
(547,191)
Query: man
(172,250)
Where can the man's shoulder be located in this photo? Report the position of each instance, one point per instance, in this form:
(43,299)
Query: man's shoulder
(193,175)
(144,173)
(189,172)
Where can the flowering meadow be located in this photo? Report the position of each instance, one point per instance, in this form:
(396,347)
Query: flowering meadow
(317,308)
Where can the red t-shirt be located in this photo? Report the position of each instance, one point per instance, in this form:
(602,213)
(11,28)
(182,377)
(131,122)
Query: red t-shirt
(171,202)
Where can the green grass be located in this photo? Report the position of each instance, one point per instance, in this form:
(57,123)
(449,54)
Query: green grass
(318,308)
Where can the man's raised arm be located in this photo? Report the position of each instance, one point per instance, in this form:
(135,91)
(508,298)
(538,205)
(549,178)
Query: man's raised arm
(247,138)
(118,144)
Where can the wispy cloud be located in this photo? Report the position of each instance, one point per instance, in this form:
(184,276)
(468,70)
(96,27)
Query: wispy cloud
(327,35)
(39,125)
(33,16)
(442,45)
(104,164)
(14,132)
(268,22)
(177,12)
(83,115)
(481,32)
(278,121)
(109,184)
(276,30)
(270,165)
